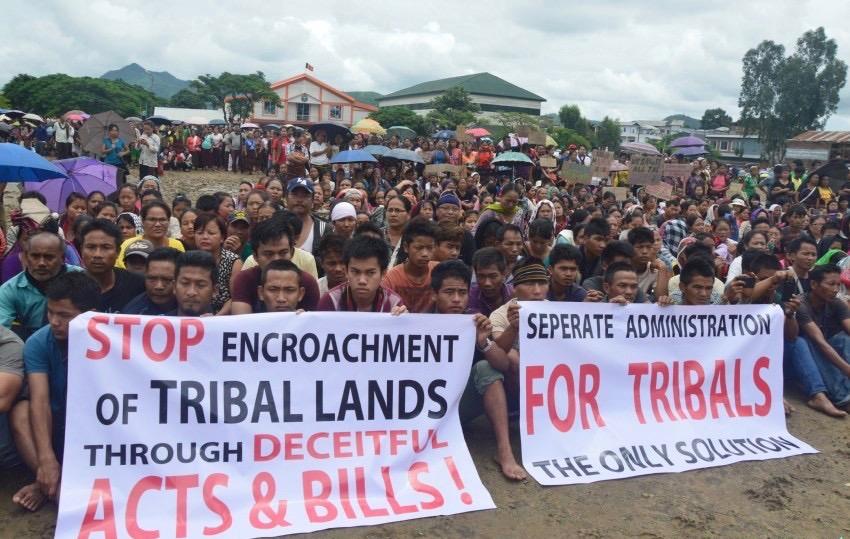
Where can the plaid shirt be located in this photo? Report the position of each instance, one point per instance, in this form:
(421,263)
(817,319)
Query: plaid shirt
(339,299)
(672,234)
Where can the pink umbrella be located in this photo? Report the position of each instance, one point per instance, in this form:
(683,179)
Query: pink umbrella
(76,117)
(249,125)
(477,132)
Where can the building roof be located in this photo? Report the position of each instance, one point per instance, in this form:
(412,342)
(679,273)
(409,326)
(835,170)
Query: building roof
(326,86)
(822,136)
(174,113)
(477,83)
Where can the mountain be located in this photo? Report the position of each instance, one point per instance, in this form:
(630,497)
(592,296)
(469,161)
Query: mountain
(162,83)
(370,98)
(689,123)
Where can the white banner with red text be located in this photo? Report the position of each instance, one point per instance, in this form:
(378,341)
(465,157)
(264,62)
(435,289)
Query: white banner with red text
(264,425)
(610,391)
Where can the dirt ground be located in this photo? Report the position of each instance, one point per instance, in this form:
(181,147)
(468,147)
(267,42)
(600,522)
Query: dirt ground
(804,496)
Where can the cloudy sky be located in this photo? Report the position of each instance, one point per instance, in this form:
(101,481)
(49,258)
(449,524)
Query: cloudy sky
(631,60)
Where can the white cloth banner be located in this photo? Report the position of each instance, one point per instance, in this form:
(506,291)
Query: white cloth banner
(610,391)
(264,425)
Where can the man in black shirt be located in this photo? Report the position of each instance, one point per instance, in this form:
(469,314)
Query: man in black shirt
(158,297)
(101,242)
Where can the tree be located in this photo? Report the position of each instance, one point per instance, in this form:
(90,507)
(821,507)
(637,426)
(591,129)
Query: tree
(189,99)
(608,134)
(512,121)
(390,116)
(714,118)
(571,118)
(452,108)
(4,102)
(234,94)
(564,137)
(782,96)
(52,95)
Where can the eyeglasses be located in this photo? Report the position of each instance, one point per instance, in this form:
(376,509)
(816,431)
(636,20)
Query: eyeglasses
(160,221)
(396,210)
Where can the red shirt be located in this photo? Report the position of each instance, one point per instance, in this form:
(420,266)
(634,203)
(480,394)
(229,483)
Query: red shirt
(245,289)
(193,144)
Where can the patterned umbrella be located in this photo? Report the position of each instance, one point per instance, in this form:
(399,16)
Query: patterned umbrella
(367,125)
(639,147)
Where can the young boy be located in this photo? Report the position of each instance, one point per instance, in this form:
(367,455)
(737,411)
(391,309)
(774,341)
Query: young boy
(330,251)
(449,241)
(470,218)
(563,270)
(489,291)
(412,279)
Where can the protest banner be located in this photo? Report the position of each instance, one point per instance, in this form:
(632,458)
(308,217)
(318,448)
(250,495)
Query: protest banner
(661,190)
(609,392)
(621,193)
(601,164)
(645,169)
(676,170)
(548,161)
(461,135)
(575,173)
(264,426)
(735,188)
(536,137)
(439,170)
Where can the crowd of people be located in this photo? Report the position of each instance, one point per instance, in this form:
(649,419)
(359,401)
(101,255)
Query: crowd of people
(305,235)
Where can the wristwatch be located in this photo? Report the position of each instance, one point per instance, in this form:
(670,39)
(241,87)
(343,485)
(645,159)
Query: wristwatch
(486,348)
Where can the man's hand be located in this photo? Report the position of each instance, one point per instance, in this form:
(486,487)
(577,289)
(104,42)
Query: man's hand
(664,301)
(398,310)
(790,307)
(47,477)
(233,243)
(734,291)
(513,315)
(483,327)
(594,296)
(619,300)
(658,265)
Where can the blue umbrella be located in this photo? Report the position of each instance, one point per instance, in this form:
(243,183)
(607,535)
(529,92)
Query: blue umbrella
(17,164)
(217,121)
(353,156)
(404,155)
(445,134)
(376,149)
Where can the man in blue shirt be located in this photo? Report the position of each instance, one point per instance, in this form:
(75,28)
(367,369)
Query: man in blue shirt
(158,297)
(39,423)
(22,296)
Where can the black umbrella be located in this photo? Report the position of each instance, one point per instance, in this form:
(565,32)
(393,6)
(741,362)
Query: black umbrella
(331,130)
(159,120)
(836,169)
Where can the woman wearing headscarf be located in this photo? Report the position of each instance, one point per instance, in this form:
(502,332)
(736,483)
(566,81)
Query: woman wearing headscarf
(505,209)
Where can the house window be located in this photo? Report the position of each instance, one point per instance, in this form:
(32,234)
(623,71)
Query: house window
(269,108)
(302,112)
(724,145)
(335,112)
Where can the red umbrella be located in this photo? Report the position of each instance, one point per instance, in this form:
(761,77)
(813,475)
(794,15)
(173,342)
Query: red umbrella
(477,132)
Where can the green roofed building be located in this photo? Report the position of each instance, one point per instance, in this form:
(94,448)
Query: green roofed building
(493,95)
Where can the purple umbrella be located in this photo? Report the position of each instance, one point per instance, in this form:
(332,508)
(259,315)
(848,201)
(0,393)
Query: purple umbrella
(690,151)
(639,147)
(84,176)
(690,140)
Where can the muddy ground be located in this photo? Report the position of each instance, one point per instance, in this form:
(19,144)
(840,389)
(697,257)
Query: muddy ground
(805,496)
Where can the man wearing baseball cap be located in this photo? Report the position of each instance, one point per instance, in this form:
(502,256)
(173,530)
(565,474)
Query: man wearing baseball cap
(299,200)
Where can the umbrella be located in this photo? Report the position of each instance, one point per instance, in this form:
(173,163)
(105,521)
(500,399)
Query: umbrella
(134,119)
(5,128)
(75,111)
(34,117)
(376,149)
(836,170)
(689,140)
(617,166)
(96,129)
(84,176)
(272,126)
(688,151)
(401,132)
(550,141)
(353,156)
(197,120)
(331,129)
(14,113)
(17,164)
(217,121)
(477,132)
(512,158)
(404,155)
(639,147)
(249,125)
(367,125)
(176,122)
(158,120)
(445,134)
(75,117)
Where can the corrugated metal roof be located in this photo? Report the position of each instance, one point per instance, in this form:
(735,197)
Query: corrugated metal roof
(477,83)
(822,136)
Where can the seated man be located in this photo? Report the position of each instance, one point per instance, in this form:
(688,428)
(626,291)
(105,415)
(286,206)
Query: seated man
(194,283)
(696,282)
(484,392)
(646,261)
(22,297)
(541,235)
(490,290)
(158,297)
(411,280)
(563,270)
(270,240)
(101,240)
(281,288)
(615,251)
(596,234)
(531,283)
(38,424)
(366,259)
(620,283)
(11,381)
(509,242)
(825,324)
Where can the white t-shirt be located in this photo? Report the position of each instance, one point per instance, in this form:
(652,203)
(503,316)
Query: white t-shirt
(148,155)
(63,134)
(318,147)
